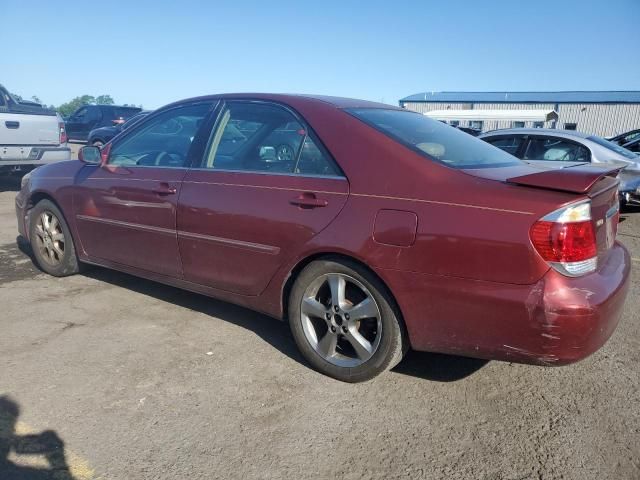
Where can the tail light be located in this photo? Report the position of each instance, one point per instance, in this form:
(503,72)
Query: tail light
(63,133)
(566,239)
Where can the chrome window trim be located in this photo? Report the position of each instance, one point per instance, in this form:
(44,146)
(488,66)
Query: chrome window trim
(261,172)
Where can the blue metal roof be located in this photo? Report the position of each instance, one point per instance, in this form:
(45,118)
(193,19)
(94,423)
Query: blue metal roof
(527,97)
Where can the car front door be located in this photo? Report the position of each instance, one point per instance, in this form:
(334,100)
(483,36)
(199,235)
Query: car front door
(251,204)
(74,124)
(126,208)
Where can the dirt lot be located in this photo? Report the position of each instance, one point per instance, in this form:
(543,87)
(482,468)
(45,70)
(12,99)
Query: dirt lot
(136,380)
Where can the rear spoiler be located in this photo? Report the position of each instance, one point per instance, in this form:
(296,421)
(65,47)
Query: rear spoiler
(577,179)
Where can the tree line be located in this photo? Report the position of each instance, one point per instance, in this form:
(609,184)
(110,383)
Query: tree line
(72,105)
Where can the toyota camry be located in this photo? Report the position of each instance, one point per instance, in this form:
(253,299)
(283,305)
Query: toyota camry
(378,231)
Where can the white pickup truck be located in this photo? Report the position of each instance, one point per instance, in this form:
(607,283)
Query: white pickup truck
(29,135)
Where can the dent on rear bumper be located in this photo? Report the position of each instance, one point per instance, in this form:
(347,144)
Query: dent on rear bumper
(558,320)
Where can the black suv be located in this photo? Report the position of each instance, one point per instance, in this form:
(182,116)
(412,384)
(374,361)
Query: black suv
(101,135)
(88,117)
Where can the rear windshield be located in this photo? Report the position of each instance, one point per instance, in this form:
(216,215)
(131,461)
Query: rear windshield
(615,147)
(435,140)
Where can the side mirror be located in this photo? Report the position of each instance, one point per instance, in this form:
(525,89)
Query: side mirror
(90,155)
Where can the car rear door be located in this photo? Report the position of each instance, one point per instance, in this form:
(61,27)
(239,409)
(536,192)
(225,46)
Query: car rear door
(246,208)
(126,208)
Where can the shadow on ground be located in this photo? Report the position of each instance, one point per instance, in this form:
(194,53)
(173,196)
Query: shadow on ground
(429,366)
(10,184)
(46,445)
(438,367)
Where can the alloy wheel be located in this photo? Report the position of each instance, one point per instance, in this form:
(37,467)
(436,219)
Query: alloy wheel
(50,238)
(341,320)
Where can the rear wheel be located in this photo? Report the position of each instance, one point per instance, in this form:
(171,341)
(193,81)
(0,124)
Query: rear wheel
(51,240)
(344,322)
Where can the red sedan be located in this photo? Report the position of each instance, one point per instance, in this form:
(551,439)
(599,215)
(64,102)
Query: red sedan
(370,228)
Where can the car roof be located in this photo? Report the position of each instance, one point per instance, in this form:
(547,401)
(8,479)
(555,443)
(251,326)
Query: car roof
(338,102)
(537,131)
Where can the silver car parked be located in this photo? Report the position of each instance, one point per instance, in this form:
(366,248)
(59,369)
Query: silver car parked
(550,148)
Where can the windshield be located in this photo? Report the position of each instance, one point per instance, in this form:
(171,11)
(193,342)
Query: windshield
(615,147)
(435,140)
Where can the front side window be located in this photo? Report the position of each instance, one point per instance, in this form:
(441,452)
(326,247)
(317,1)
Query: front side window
(163,141)
(92,115)
(556,150)
(508,144)
(81,114)
(434,140)
(259,137)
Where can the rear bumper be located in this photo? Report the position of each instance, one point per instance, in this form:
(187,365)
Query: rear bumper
(17,157)
(557,321)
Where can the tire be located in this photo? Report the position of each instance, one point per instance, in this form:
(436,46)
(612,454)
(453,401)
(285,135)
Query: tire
(347,358)
(51,240)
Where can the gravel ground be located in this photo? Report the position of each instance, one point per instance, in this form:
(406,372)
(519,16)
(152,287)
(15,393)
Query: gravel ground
(136,380)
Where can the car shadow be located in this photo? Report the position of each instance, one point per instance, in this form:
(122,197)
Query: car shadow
(10,183)
(272,331)
(428,366)
(46,445)
(438,367)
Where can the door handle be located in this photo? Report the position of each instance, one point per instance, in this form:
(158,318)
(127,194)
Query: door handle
(12,124)
(165,189)
(308,200)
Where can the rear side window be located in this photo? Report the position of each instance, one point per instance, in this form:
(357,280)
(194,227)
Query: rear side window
(556,150)
(612,146)
(434,139)
(508,144)
(121,112)
(257,137)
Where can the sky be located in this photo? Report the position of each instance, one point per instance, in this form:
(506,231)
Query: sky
(156,52)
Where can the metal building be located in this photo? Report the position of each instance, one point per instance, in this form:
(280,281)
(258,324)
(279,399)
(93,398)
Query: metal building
(598,113)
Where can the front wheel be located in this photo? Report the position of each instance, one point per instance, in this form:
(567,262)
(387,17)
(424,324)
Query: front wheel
(344,322)
(51,240)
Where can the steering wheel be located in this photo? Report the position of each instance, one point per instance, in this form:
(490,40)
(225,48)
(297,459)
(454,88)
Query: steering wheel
(159,158)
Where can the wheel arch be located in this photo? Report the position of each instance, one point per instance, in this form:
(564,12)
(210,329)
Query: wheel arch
(335,256)
(35,198)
